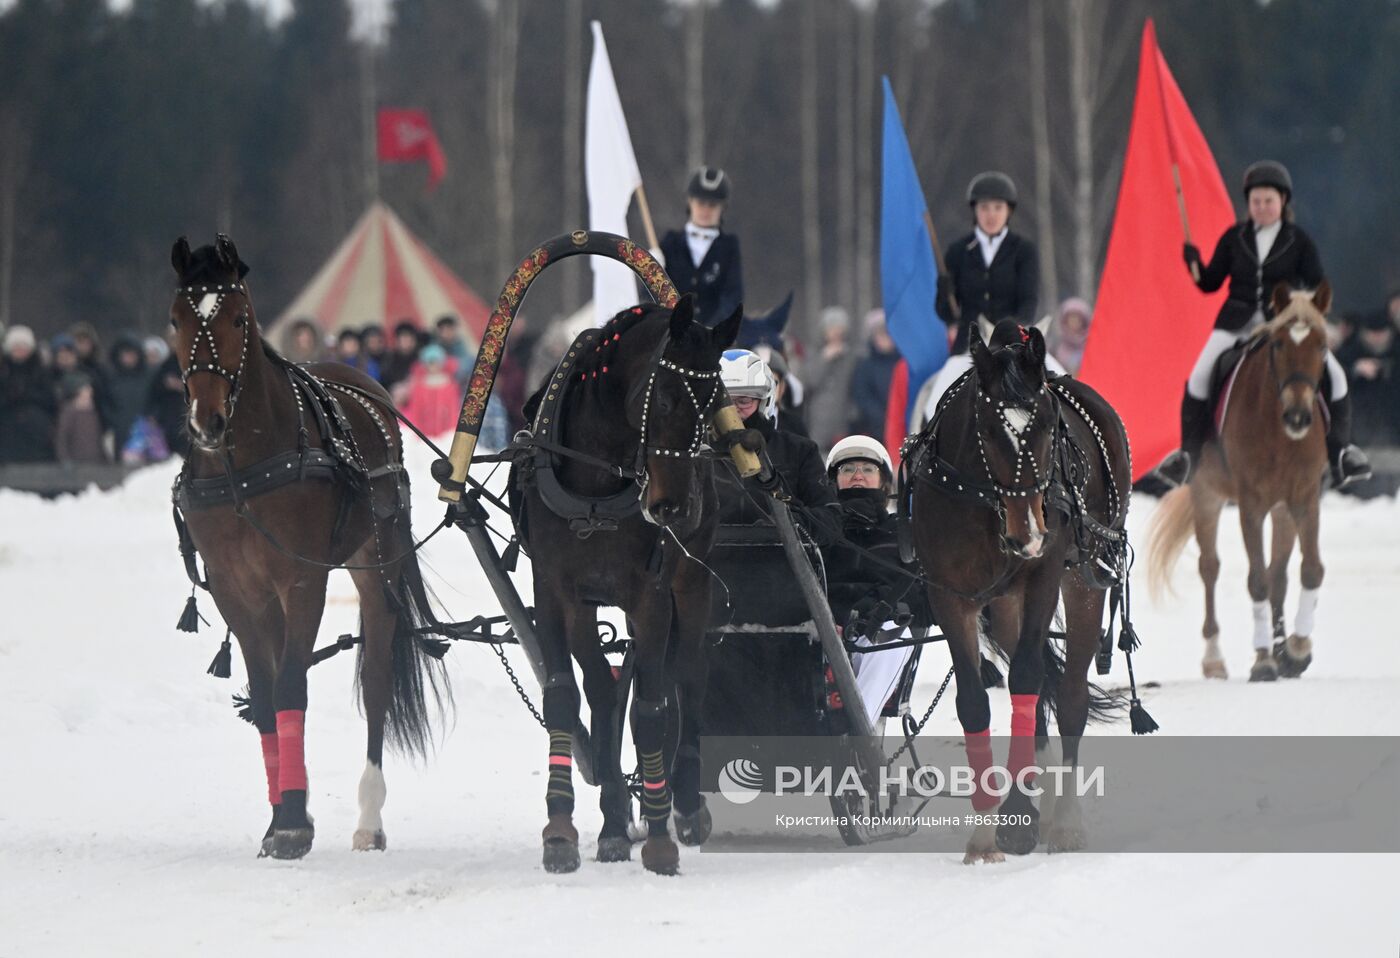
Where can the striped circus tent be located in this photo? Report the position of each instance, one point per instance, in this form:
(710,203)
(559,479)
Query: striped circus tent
(382,273)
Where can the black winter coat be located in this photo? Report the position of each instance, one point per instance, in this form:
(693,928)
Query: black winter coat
(854,580)
(1292,259)
(798,463)
(1005,290)
(28,411)
(718,282)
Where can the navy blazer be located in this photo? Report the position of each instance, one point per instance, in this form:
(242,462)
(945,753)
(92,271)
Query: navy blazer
(1292,259)
(718,282)
(1005,290)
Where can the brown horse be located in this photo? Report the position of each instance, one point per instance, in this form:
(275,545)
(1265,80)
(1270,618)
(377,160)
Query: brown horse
(1017,478)
(269,544)
(1270,458)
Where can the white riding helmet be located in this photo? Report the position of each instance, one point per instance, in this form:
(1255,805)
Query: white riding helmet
(859,447)
(744,373)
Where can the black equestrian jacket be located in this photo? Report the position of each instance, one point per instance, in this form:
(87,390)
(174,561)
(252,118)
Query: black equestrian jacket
(1007,289)
(1292,259)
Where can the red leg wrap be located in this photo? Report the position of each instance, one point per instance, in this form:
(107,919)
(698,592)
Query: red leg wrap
(271,763)
(1022,751)
(291,750)
(979,759)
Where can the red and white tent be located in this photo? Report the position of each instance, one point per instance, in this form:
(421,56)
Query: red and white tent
(382,273)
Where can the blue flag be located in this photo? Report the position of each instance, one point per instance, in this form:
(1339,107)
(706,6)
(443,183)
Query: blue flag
(908,275)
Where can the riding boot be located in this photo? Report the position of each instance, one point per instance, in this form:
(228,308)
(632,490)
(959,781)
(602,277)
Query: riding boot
(1177,468)
(1348,463)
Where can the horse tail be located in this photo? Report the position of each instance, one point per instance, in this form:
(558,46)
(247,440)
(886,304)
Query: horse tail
(1104,706)
(420,688)
(1172,524)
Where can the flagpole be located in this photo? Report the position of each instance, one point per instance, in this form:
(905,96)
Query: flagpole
(942,269)
(1171,151)
(645,209)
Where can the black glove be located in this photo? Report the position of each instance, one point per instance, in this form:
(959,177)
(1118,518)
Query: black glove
(871,510)
(1191,255)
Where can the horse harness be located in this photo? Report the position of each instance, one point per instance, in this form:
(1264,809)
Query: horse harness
(1097,549)
(539,455)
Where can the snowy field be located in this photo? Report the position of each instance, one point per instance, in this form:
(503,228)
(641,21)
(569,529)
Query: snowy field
(134,800)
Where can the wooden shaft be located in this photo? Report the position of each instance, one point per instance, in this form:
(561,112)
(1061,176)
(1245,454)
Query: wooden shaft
(939,265)
(1185,223)
(645,208)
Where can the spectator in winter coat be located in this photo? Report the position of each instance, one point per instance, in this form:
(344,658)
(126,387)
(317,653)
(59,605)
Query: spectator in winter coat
(398,364)
(1371,359)
(27,401)
(166,405)
(434,400)
(304,343)
(828,378)
(374,348)
(78,436)
(129,385)
(1070,333)
(448,335)
(870,382)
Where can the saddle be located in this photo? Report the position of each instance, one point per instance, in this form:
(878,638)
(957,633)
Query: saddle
(537,467)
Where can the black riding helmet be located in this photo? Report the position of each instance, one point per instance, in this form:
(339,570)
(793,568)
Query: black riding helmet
(708,183)
(991,186)
(1268,173)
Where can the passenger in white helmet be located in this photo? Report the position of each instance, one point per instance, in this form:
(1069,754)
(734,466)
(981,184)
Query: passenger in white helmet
(869,587)
(796,461)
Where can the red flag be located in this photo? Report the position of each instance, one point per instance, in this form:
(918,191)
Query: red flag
(897,411)
(406,136)
(1151,320)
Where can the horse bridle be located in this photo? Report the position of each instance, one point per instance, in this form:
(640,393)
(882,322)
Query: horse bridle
(697,440)
(205,333)
(1293,378)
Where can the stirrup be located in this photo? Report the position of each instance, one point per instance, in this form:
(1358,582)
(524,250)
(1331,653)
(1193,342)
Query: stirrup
(1175,470)
(1351,465)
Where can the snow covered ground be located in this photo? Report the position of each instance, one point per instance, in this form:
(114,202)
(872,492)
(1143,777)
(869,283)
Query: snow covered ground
(133,799)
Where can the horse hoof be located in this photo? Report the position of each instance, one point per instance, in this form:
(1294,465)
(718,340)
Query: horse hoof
(983,856)
(661,855)
(369,841)
(1064,838)
(1018,839)
(560,844)
(615,848)
(1293,656)
(694,829)
(291,843)
(1265,669)
(265,850)
(1214,669)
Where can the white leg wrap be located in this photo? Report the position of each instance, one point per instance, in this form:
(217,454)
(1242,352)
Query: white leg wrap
(1263,626)
(372,794)
(1307,609)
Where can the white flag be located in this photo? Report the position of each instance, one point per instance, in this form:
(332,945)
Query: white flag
(610,170)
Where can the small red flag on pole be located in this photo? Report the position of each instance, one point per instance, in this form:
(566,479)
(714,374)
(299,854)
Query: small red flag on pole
(1150,320)
(406,136)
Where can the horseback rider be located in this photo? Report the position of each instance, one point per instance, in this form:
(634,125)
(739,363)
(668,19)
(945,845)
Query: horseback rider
(702,258)
(1255,255)
(796,462)
(991,272)
(882,599)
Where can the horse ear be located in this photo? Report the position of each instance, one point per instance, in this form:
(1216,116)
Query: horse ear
(682,316)
(1322,297)
(180,256)
(725,332)
(985,328)
(1282,294)
(1036,342)
(228,255)
(981,359)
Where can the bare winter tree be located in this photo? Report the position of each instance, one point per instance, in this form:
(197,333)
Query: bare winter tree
(695,84)
(811,175)
(1040,137)
(507,42)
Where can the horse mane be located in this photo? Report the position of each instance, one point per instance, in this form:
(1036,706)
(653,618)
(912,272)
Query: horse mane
(1018,390)
(1300,308)
(619,326)
(206,268)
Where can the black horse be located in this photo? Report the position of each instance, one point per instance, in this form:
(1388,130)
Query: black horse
(638,394)
(1019,478)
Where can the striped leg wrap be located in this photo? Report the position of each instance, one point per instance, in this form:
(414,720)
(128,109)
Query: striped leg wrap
(559,798)
(656,794)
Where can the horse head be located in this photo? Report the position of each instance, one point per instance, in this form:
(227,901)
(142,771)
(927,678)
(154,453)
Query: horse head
(214,330)
(670,379)
(1297,345)
(1015,422)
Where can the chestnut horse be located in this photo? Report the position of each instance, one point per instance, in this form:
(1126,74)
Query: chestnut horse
(269,545)
(1270,458)
(1018,478)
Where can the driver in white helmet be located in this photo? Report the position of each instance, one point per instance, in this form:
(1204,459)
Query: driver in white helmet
(796,461)
(868,585)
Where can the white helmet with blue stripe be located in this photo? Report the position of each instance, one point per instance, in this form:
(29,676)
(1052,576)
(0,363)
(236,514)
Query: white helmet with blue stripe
(744,373)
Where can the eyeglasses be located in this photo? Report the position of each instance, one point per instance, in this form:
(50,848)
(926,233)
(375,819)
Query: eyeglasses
(849,469)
